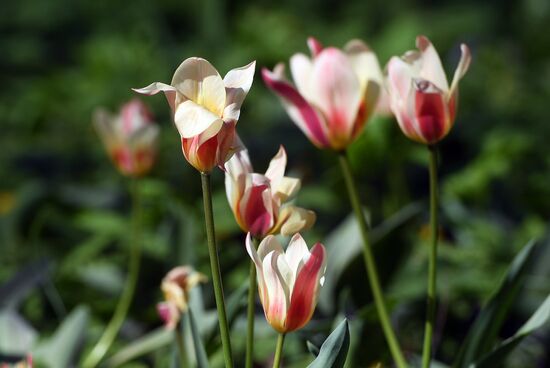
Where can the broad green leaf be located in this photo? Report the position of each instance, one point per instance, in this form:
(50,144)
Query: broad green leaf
(334,350)
(16,289)
(312,348)
(61,349)
(496,357)
(146,344)
(483,333)
(200,352)
(16,335)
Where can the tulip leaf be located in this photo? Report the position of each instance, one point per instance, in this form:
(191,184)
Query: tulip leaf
(496,357)
(17,336)
(312,348)
(144,345)
(334,351)
(200,352)
(16,289)
(62,347)
(484,332)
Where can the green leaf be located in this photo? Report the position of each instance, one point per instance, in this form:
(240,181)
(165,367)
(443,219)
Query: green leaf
(334,350)
(312,348)
(484,332)
(16,289)
(496,357)
(200,352)
(60,349)
(144,345)
(16,335)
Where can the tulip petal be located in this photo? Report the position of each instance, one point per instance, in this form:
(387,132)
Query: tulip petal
(277,166)
(431,112)
(256,207)
(197,80)
(156,87)
(269,244)
(145,137)
(300,111)
(286,189)
(103,123)
(337,91)
(236,170)
(431,68)
(462,68)
(315,47)
(169,314)
(304,295)
(276,308)
(192,119)
(364,63)
(237,84)
(296,253)
(301,69)
(295,219)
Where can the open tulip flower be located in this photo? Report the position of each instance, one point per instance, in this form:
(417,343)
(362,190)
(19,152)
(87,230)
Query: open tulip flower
(421,99)
(205,108)
(335,91)
(129,137)
(258,201)
(288,282)
(175,286)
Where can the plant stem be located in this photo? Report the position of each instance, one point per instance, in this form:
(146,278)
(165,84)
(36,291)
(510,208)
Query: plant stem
(215,268)
(250,312)
(110,333)
(179,333)
(279,350)
(432,269)
(370,263)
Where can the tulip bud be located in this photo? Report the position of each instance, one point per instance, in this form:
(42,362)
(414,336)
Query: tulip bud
(130,137)
(335,91)
(175,286)
(205,108)
(420,97)
(288,282)
(259,201)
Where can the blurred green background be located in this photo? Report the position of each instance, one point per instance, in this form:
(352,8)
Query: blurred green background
(64,208)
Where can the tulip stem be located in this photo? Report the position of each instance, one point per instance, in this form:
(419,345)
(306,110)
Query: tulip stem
(179,332)
(250,311)
(432,269)
(279,350)
(110,333)
(215,268)
(370,263)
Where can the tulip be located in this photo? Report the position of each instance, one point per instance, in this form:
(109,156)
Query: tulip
(130,137)
(259,201)
(288,282)
(420,97)
(175,286)
(205,108)
(336,91)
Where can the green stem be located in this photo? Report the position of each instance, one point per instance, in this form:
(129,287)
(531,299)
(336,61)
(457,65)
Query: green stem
(370,263)
(110,333)
(432,269)
(179,331)
(215,268)
(250,312)
(279,350)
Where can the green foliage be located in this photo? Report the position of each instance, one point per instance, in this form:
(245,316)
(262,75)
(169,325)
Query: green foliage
(334,350)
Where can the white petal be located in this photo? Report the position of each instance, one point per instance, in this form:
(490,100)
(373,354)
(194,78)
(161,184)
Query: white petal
(431,68)
(301,69)
(237,84)
(297,253)
(277,166)
(192,119)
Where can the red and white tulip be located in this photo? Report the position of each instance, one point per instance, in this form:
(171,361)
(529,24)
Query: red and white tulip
(420,97)
(334,92)
(205,108)
(258,201)
(175,286)
(129,137)
(288,281)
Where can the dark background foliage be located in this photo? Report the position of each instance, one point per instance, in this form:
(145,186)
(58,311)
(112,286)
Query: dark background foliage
(62,201)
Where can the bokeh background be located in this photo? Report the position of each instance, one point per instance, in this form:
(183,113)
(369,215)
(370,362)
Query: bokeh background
(64,209)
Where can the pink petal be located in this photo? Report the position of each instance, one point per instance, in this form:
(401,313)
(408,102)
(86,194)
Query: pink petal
(256,214)
(315,47)
(431,68)
(304,294)
(135,116)
(338,92)
(431,112)
(300,111)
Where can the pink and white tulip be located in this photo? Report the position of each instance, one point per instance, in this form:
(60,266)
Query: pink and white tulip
(205,108)
(288,281)
(258,201)
(175,286)
(129,137)
(420,97)
(334,94)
